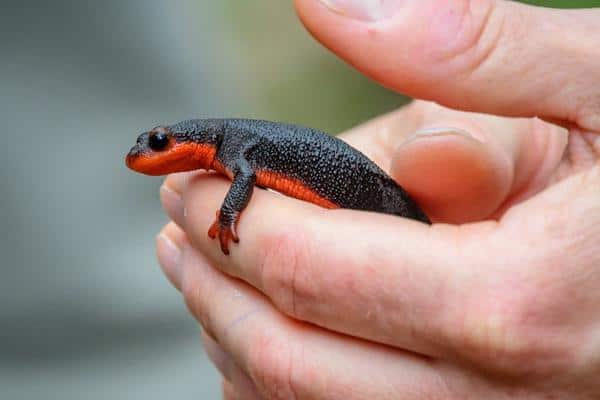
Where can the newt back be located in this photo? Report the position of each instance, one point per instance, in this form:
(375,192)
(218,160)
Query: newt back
(326,165)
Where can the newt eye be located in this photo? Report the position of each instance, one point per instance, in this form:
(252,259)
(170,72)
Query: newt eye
(158,141)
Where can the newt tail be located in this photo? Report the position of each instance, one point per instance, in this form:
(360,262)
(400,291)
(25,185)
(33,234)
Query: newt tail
(299,162)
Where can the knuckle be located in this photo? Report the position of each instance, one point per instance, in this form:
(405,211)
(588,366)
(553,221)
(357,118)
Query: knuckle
(270,366)
(494,334)
(587,112)
(514,323)
(286,254)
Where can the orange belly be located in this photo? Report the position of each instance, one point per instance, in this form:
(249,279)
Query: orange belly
(291,187)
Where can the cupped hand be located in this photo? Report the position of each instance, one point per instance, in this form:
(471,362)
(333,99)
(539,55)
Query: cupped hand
(497,299)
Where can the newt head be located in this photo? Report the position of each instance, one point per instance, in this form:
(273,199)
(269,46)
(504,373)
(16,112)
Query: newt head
(162,151)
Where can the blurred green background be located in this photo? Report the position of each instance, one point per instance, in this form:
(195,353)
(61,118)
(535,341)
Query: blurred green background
(84,309)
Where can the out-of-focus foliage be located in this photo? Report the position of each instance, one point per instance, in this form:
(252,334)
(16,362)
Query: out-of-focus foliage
(293,78)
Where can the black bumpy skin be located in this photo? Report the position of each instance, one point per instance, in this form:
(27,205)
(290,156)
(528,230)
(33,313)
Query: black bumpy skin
(323,164)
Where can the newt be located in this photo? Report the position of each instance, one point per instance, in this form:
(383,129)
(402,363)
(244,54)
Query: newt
(297,161)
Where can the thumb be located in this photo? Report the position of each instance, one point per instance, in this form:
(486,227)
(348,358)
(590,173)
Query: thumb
(490,56)
(463,167)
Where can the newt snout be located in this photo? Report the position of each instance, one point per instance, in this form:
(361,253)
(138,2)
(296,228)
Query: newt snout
(160,151)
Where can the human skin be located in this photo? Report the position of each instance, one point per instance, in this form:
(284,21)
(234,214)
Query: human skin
(499,298)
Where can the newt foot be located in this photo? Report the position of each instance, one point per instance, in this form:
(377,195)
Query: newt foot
(225,232)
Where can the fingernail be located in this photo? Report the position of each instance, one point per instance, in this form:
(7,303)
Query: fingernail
(169,258)
(438,131)
(173,204)
(366,10)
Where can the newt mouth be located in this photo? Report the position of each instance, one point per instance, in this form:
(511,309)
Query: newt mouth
(135,152)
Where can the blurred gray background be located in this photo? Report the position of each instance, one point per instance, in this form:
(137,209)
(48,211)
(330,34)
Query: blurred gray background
(84,309)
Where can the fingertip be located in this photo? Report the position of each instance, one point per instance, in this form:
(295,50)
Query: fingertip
(454,177)
(172,203)
(169,244)
(171,195)
(178,182)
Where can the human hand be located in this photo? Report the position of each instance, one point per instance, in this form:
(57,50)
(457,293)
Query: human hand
(503,308)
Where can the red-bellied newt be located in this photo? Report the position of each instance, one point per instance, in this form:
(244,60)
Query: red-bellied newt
(297,161)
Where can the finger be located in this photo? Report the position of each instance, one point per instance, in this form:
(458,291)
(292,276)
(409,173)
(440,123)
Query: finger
(489,56)
(286,359)
(384,279)
(237,381)
(423,289)
(169,243)
(313,267)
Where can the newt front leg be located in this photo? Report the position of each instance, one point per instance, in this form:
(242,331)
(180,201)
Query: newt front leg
(237,198)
